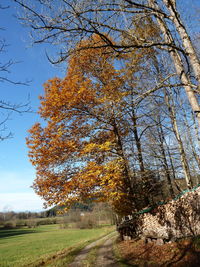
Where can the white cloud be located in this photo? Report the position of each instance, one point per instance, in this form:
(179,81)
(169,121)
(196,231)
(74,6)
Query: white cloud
(20,202)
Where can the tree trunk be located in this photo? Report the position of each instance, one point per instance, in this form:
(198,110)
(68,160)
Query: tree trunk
(180,143)
(172,168)
(187,43)
(191,140)
(165,165)
(177,62)
(120,151)
(137,140)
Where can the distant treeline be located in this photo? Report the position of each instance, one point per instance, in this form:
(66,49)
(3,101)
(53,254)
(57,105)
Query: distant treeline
(9,215)
(81,215)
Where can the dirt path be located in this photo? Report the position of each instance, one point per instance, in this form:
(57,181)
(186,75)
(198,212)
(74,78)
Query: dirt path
(105,255)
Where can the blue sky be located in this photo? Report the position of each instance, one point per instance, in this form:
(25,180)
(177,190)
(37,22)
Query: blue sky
(16,172)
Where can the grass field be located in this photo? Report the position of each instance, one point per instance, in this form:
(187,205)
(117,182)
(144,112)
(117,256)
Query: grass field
(31,247)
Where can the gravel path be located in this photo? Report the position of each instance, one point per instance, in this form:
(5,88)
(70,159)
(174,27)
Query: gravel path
(105,255)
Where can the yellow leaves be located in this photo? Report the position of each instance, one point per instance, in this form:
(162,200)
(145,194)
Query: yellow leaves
(81,90)
(106,146)
(91,147)
(94,147)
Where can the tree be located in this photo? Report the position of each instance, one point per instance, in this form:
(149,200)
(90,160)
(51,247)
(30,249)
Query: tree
(87,147)
(176,56)
(75,20)
(170,105)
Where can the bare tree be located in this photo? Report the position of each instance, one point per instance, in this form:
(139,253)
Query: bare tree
(176,57)
(172,113)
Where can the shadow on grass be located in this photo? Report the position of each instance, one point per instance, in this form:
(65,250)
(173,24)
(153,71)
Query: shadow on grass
(4,233)
(62,258)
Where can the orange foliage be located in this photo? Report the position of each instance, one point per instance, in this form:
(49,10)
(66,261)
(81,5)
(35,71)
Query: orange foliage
(79,153)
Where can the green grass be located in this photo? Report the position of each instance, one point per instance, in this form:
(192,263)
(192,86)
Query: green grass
(23,247)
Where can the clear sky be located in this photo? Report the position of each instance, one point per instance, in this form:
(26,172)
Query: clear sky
(16,172)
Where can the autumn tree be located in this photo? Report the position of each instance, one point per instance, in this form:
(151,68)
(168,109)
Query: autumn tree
(86,150)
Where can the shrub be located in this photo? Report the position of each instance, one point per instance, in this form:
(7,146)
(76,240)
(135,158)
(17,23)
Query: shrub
(47,221)
(86,222)
(64,225)
(31,223)
(9,225)
(20,223)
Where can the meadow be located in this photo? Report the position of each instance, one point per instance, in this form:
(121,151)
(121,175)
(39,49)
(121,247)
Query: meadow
(44,244)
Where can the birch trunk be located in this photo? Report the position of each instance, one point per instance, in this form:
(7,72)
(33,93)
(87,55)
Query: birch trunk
(191,140)
(177,62)
(187,43)
(180,143)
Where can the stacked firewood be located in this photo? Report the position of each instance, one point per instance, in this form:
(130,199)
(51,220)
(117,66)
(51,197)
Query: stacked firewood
(176,219)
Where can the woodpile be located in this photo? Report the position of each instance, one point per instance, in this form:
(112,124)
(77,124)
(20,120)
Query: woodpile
(169,222)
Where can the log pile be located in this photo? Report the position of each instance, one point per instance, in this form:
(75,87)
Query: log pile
(176,219)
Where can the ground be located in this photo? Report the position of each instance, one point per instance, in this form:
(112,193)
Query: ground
(59,247)
(183,253)
(102,251)
(46,245)
(180,254)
